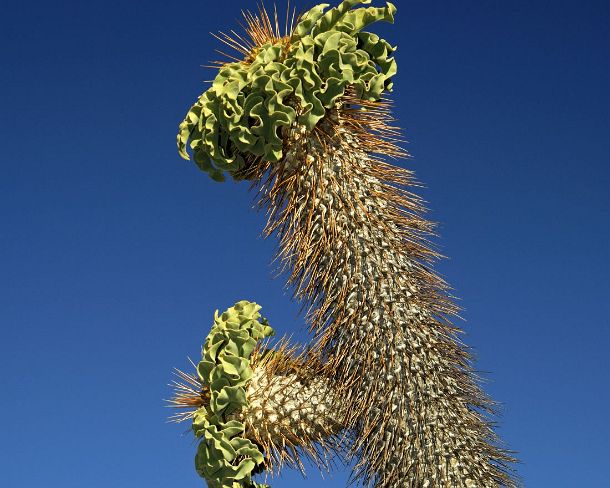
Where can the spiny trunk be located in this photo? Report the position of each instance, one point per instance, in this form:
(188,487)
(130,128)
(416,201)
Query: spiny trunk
(354,242)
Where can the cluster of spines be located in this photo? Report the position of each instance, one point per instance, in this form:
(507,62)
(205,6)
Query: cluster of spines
(354,240)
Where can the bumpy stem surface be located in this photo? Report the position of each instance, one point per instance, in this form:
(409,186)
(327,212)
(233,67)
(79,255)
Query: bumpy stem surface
(289,415)
(354,241)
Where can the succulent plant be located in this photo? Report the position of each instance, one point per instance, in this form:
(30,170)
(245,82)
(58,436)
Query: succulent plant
(386,382)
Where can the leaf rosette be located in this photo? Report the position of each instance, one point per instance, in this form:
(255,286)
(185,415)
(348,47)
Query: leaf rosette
(225,458)
(295,79)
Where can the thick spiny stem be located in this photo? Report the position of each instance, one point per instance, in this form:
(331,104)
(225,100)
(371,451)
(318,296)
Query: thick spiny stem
(289,415)
(353,239)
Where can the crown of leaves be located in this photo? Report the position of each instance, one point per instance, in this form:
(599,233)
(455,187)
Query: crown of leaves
(296,79)
(225,458)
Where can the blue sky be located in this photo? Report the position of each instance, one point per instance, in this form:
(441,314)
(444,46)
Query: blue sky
(114,252)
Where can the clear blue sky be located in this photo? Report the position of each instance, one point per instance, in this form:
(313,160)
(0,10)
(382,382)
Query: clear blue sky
(114,252)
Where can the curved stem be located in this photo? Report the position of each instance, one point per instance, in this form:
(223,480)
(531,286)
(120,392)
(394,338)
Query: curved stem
(353,238)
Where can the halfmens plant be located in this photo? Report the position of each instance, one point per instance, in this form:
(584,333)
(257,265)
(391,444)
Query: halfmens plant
(305,117)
